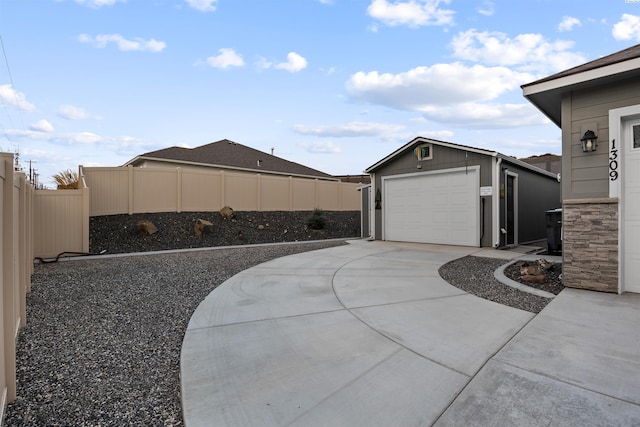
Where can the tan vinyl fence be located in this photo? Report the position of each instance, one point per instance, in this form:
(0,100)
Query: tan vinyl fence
(129,190)
(61,221)
(16,268)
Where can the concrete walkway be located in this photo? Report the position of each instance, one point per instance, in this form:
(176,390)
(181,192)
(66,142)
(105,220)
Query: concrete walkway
(369,334)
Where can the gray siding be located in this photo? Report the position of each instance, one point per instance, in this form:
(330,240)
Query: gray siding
(586,175)
(443,158)
(536,195)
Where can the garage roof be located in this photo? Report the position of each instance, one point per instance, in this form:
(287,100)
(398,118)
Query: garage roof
(421,140)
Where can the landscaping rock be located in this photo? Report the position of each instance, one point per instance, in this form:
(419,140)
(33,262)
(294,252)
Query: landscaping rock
(116,233)
(145,228)
(203,227)
(227,213)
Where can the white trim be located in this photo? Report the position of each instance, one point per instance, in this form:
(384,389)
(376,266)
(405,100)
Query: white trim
(617,118)
(475,168)
(422,141)
(495,219)
(372,203)
(419,141)
(582,77)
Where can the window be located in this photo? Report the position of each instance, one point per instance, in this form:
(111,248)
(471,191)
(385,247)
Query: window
(423,152)
(636,136)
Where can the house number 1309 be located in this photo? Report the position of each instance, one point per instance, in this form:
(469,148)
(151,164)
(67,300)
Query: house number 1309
(613,161)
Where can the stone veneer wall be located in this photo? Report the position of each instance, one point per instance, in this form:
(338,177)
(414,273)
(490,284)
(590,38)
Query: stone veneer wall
(590,244)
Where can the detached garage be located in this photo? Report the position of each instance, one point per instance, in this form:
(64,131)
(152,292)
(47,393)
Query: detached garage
(437,192)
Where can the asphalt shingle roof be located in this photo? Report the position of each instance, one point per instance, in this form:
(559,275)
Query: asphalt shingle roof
(231,154)
(615,58)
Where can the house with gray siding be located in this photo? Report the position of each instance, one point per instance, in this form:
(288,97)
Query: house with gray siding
(597,107)
(431,191)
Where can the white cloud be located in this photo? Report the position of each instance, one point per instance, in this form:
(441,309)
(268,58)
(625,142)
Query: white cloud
(440,84)
(487,8)
(227,58)
(84,138)
(137,44)
(442,135)
(627,28)
(70,112)
(294,63)
(97,3)
(42,126)
(320,147)
(488,116)
(456,94)
(413,13)
(530,52)
(203,5)
(568,22)
(15,99)
(353,129)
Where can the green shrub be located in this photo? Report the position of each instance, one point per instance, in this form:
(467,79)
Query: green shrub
(317,220)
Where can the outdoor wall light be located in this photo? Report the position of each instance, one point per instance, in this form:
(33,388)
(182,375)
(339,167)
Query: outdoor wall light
(589,141)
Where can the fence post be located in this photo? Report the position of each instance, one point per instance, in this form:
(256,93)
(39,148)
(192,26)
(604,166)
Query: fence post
(22,244)
(290,193)
(222,185)
(8,306)
(130,188)
(179,190)
(3,327)
(258,192)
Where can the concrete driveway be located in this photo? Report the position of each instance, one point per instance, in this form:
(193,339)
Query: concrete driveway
(369,334)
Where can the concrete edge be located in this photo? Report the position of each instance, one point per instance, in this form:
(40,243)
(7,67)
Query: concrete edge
(499,275)
(186,250)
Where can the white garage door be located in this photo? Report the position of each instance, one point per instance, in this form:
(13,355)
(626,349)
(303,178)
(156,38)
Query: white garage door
(433,207)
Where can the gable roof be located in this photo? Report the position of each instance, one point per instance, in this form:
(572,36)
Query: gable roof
(549,162)
(546,94)
(229,155)
(421,140)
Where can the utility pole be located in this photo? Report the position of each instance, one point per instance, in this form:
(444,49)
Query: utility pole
(31,170)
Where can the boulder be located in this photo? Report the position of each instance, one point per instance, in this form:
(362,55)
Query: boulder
(227,212)
(145,227)
(530,270)
(203,227)
(540,278)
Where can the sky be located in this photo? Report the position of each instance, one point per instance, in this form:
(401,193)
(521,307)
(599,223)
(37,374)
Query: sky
(335,85)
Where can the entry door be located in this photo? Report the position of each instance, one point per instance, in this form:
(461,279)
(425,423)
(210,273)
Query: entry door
(631,206)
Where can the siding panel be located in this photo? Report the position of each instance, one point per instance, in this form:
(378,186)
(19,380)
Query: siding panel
(585,175)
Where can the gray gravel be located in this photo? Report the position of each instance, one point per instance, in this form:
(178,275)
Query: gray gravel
(475,275)
(102,344)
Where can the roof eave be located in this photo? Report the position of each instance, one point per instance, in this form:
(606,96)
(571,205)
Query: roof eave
(423,140)
(546,94)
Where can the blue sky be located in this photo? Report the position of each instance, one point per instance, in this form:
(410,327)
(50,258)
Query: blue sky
(332,84)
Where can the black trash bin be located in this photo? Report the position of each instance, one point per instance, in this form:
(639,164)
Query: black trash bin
(554,231)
